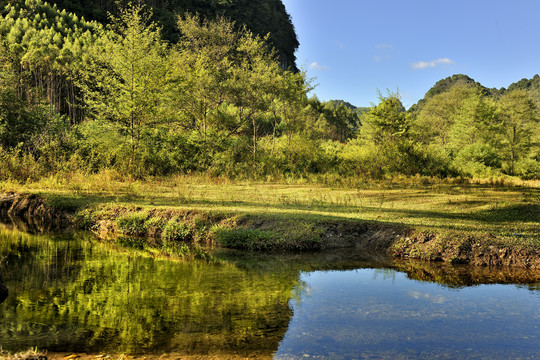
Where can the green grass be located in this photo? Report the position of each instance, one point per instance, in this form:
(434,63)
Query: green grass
(508,211)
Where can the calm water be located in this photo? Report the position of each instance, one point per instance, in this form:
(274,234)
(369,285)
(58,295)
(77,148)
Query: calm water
(74,294)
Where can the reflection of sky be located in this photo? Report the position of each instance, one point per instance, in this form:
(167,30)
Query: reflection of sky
(363,313)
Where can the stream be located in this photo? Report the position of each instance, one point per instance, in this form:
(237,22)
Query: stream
(72,293)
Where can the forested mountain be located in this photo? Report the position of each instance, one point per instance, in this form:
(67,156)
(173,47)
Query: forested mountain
(526,84)
(458,79)
(348,105)
(532,87)
(262,17)
(482,129)
(446,84)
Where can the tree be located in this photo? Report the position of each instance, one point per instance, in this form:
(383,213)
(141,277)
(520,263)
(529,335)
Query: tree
(388,121)
(44,47)
(202,72)
(518,127)
(290,102)
(126,74)
(438,114)
(256,80)
(224,79)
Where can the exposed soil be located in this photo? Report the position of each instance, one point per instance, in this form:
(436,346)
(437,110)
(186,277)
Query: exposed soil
(35,211)
(81,356)
(458,248)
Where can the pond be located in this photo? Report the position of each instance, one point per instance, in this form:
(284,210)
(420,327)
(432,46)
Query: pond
(70,293)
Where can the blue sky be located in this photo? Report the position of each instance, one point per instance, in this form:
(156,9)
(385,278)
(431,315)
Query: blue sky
(354,47)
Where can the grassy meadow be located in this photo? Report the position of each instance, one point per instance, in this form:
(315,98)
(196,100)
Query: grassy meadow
(506,211)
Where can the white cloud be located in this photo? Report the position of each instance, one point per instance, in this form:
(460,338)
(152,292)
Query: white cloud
(431,64)
(384,46)
(317,66)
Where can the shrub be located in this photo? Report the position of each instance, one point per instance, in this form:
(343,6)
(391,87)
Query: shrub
(247,239)
(175,231)
(133,224)
(528,169)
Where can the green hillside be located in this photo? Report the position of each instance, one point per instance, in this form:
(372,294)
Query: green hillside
(260,16)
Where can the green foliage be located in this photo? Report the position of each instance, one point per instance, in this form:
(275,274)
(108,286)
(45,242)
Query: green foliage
(105,294)
(99,145)
(478,159)
(300,157)
(126,73)
(528,168)
(262,17)
(386,145)
(19,166)
(482,135)
(518,127)
(336,120)
(175,231)
(388,123)
(447,84)
(438,115)
(247,239)
(77,96)
(526,84)
(44,48)
(133,223)
(18,123)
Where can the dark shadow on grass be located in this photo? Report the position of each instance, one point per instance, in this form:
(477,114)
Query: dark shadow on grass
(526,212)
(513,213)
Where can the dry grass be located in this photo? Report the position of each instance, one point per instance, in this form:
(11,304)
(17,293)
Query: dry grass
(27,355)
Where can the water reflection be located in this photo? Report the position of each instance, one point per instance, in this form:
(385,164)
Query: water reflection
(73,294)
(460,276)
(3,291)
(68,295)
(368,313)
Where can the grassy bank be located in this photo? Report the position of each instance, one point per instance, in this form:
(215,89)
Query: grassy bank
(433,219)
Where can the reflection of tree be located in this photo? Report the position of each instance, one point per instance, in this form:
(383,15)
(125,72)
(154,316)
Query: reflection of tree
(458,276)
(3,291)
(75,296)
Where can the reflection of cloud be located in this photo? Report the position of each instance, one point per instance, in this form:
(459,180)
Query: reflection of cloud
(439,299)
(316,66)
(431,64)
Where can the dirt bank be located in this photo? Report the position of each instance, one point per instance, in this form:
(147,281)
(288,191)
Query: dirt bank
(460,248)
(166,229)
(35,211)
(31,355)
